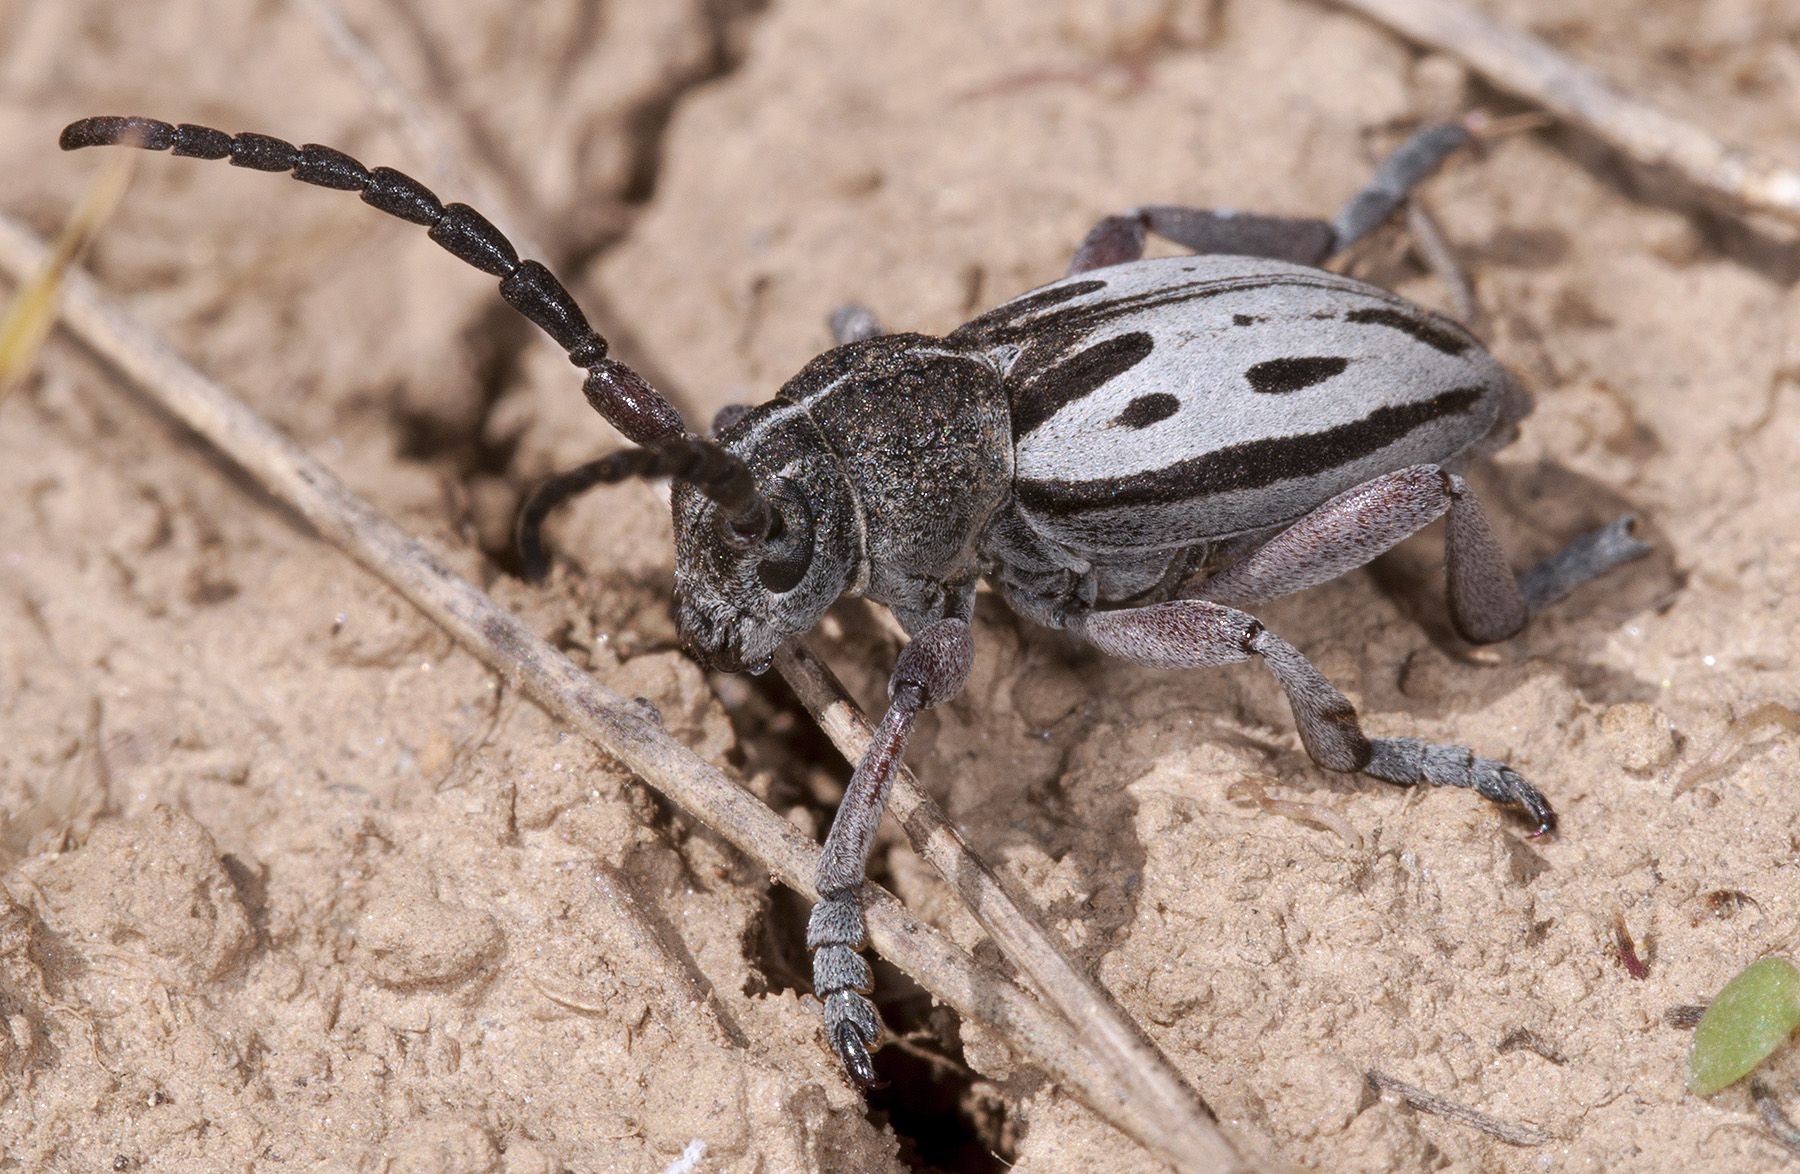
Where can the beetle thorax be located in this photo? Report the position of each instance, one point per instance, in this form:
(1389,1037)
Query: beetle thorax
(885,460)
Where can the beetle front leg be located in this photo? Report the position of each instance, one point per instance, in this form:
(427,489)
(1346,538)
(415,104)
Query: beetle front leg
(1194,633)
(931,670)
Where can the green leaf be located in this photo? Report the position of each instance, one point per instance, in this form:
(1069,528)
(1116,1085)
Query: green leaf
(1755,1014)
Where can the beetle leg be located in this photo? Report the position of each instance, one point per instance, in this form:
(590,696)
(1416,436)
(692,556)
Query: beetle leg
(1118,239)
(1193,633)
(725,417)
(853,322)
(931,670)
(1113,241)
(1398,174)
(1586,558)
(1486,602)
(1345,533)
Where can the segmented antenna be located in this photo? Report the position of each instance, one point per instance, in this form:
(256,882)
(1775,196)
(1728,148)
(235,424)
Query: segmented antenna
(616,391)
(745,515)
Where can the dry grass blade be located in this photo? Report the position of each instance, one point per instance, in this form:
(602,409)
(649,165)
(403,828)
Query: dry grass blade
(1305,812)
(32,312)
(1425,1102)
(1178,1134)
(1525,66)
(1735,737)
(1146,1076)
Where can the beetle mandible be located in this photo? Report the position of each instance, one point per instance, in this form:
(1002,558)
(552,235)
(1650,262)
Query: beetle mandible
(1131,454)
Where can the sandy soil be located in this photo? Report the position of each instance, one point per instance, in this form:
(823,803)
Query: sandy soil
(291,883)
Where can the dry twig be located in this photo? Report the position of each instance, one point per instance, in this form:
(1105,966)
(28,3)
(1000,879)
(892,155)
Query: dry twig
(1176,1130)
(1418,1098)
(1525,66)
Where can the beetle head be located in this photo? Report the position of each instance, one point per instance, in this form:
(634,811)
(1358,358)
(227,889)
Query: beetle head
(738,600)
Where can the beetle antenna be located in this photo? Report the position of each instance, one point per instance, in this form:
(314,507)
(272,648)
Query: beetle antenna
(616,391)
(745,514)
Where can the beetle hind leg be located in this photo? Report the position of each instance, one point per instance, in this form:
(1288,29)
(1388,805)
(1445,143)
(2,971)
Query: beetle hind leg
(1487,603)
(1195,633)
(1410,165)
(853,322)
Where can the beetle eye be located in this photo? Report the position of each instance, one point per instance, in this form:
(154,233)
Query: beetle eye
(788,551)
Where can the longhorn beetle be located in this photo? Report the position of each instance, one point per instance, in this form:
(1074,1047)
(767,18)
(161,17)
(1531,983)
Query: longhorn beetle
(1131,454)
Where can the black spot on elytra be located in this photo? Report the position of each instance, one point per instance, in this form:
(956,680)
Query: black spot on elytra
(1146,410)
(1076,376)
(1280,376)
(1245,320)
(1430,333)
(1252,465)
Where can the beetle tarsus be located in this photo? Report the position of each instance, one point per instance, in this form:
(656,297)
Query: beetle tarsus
(1413,761)
(848,1042)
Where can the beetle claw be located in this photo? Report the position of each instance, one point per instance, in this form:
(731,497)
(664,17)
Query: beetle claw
(1515,790)
(848,1042)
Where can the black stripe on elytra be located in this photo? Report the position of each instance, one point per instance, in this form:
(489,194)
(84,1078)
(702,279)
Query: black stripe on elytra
(1280,376)
(1428,332)
(1253,465)
(1146,410)
(1077,376)
(1009,322)
(1031,303)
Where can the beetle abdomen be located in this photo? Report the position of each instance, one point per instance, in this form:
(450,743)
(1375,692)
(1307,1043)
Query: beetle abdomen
(1166,403)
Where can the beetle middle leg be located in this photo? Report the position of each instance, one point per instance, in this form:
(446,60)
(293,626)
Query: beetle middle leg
(1117,239)
(1487,603)
(930,671)
(1196,633)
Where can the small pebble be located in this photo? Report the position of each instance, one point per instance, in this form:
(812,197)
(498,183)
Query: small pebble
(1641,737)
